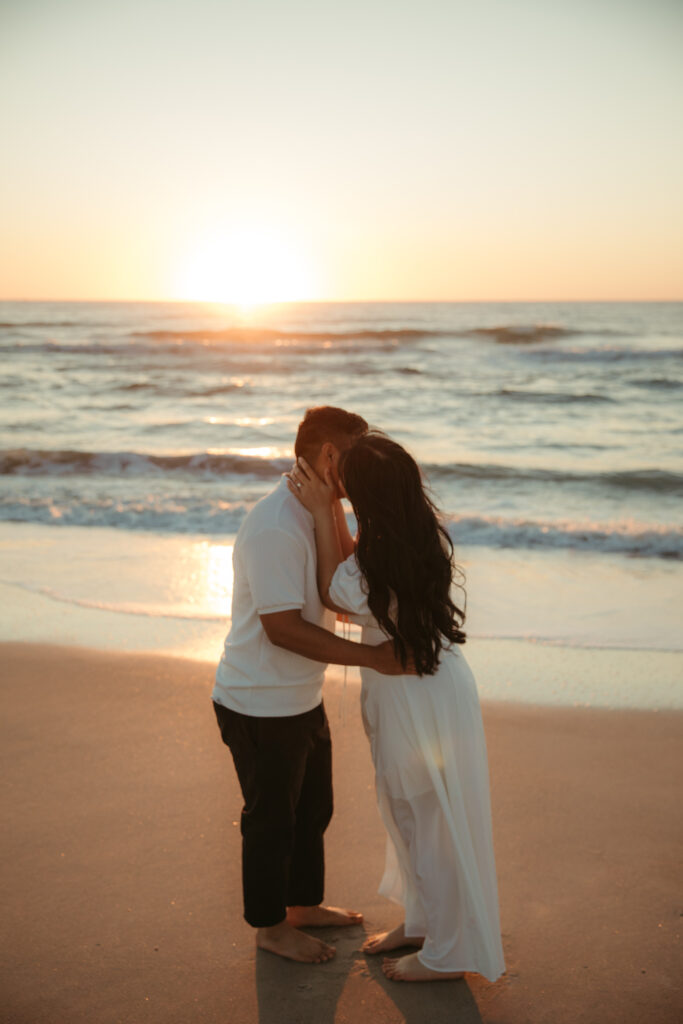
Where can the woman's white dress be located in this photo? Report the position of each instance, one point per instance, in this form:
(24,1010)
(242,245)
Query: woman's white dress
(429,751)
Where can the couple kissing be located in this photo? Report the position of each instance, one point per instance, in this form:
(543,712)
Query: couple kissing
(296,567)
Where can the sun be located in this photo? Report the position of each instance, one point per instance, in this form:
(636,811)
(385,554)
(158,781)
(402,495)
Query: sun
(245,267)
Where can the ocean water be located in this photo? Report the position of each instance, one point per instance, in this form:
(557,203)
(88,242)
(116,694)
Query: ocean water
(550,434)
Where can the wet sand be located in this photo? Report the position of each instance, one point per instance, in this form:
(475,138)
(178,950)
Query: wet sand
(121,861)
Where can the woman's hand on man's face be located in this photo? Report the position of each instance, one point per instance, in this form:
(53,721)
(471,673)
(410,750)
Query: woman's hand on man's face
(313,493)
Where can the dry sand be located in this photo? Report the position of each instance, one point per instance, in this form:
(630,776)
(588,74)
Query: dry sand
(121,877)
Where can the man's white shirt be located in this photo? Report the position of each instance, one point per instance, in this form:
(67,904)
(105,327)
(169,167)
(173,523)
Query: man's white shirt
(274,564)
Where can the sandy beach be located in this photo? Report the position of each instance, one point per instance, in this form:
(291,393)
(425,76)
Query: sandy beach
(121,874)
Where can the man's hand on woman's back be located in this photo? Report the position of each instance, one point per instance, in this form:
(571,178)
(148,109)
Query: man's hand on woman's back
(388,664)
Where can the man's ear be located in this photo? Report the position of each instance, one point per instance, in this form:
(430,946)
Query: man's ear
(328,452)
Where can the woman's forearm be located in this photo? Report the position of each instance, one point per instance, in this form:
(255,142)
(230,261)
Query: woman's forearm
(347,542)
(328,547)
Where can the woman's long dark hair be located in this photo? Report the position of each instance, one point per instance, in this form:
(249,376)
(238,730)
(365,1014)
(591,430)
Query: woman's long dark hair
(403,550)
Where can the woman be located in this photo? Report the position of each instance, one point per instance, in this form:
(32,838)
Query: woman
(425,727)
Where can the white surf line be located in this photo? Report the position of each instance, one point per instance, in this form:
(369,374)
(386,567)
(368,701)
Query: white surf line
(102,606)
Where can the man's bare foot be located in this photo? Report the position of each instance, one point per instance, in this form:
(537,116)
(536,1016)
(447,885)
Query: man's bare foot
(322,917)
(286,941)
(410,968)
(383,942)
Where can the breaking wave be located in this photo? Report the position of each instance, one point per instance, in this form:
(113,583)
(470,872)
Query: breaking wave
(205,515)
(636,539)
(212,466)
(657,480)
(24,462)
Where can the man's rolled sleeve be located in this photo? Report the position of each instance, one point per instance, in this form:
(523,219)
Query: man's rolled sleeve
(276,569)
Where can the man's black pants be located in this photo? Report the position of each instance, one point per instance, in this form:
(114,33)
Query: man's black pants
(284,767)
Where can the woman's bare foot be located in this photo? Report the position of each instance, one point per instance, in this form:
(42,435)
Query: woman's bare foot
(383,942)
(286,941)
(322,917)
(410,968)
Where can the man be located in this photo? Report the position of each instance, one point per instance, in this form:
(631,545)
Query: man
(268,701)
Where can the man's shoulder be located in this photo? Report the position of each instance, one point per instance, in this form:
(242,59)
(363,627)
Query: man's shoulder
(277,511)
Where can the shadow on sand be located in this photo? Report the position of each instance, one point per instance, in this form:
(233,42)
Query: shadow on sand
(352,988)
(292,993)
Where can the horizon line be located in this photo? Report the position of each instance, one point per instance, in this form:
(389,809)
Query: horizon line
(340,302)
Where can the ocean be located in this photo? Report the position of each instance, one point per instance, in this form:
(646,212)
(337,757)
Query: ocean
(550,435)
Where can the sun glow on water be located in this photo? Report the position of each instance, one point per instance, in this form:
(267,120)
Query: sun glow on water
(245,267)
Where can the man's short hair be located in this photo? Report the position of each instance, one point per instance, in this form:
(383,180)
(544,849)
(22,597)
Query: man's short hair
(327,423)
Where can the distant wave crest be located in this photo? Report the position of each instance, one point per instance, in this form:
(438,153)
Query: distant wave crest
(608,354)
(267,334)
(173,389)
(7,324)
(521,334)
(183,342)
(503,334)
(551,397)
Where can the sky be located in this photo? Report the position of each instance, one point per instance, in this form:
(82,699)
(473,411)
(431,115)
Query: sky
(281,150)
